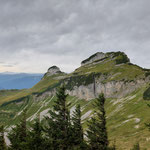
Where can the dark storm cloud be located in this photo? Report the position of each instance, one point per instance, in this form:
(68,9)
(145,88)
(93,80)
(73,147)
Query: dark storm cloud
(38,33)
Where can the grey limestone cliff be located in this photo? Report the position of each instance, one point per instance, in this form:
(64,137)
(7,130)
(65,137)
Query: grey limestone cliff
(89,86)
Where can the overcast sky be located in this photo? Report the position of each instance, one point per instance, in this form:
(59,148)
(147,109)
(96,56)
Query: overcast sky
(36,34)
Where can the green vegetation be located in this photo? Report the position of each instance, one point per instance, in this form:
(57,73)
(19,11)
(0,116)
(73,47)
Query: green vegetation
(146,94)
(58,126)
(118,112)
(81,80)
(147,74)
(97,133)
(4,94)
(44,84)
(122,59)
(2,140)
(60,131)
(77,134)
(18,135)
(136,147)
(35,140)
(111,71)
(121,126)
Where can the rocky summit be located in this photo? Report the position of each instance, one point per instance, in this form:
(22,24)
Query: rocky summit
(95,57)
(100,56)
(125,85)
(53,71)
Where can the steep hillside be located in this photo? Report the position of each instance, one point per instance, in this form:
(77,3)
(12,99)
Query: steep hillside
(125,85)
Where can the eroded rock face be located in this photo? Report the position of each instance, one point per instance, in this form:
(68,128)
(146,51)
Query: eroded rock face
(53,70)
(100,57)
(90,86)
(97,56)
(112,89)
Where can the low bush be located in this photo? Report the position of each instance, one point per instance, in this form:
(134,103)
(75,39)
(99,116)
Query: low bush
(146,94)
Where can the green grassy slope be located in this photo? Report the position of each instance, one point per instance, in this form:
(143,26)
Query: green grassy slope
(118,72)
(126,117)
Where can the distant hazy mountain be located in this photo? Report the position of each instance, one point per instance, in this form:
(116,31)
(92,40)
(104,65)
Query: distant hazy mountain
(10,80)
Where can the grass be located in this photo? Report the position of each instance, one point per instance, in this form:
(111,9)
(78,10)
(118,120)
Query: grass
(44,83)
(115,72)
(125,133)
(121,127)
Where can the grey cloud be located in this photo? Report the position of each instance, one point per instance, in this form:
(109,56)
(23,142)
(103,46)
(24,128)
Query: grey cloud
(39,33)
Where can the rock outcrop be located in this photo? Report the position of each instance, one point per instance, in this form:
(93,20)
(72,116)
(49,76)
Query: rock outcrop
(95,57)
(91,90)
(100,57)
(53,71)
(112,89)
(90,84)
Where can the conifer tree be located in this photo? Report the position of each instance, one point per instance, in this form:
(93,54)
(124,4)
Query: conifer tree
(2,139)
(35,141)
(18,135)
(78,141)
(58,125)
(97,133)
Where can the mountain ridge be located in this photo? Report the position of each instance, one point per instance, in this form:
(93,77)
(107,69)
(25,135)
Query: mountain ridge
(116,67)
(123,84)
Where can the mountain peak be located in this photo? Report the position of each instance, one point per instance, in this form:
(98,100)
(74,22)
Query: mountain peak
(53,70)
(96,56)
(120,57)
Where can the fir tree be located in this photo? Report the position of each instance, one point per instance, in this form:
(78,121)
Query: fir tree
(58,125)
(2,139)
(18,135)
(35,141)
(78,141)
(97,133)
